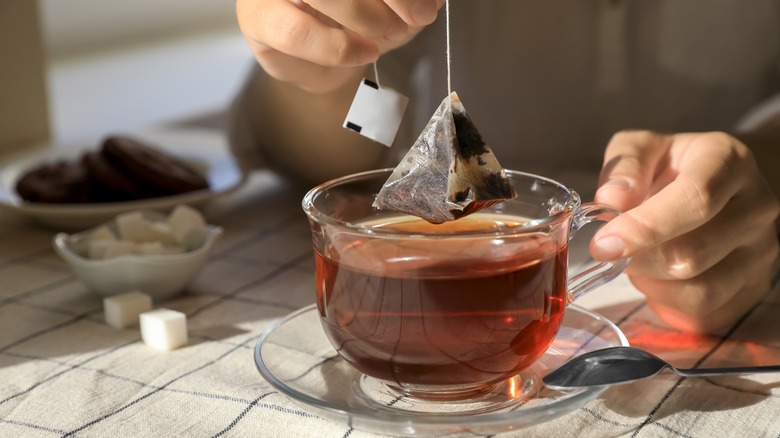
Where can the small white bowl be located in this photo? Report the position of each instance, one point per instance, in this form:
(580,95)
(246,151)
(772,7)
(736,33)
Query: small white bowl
(160,276)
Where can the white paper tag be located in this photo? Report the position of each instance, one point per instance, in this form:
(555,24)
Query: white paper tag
(376,112)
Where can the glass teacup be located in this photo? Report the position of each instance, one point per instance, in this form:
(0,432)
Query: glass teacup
(447,311)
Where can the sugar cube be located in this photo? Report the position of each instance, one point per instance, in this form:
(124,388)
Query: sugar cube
(161,232)
(188,227)
(133,226)
(101,233)
(123,310)
(119,248)
(136,227)
(164,329)
(97,249)
(98,241)
(151,248)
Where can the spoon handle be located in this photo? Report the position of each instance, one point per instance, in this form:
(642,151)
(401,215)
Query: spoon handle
(702,372)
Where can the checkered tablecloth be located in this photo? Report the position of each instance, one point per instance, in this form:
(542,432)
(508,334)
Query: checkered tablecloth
(64,372)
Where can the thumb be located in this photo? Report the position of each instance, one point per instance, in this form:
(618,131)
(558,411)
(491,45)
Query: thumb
(630,162)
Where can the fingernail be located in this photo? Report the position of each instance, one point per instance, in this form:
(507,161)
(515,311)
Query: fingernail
(397,31)
(424,12)
(608,248)
(621,183)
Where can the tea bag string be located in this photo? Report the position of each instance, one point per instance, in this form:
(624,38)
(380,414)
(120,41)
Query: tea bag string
(449,52)
(376,75)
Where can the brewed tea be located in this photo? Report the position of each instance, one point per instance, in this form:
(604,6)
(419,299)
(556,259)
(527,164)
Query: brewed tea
(451,311)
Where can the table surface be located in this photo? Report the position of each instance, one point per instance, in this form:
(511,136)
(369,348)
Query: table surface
(64,372)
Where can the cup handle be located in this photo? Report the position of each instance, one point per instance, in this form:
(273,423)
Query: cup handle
(602,272)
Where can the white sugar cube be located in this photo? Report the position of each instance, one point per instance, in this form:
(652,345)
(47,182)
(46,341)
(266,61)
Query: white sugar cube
(134,226)
(123,310)
(119,248)
(98,241)
(97,249)
(161,232)
(188,227)
(164,329)
(101,233)
(151,248)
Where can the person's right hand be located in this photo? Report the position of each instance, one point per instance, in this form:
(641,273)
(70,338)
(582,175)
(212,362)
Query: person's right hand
(319,45)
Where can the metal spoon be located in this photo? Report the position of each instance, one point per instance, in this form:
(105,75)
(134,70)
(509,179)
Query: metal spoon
(626,364)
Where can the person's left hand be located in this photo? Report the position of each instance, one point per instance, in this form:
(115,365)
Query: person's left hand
(698,220)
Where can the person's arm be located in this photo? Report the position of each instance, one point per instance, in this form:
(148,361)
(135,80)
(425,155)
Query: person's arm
(299,134)
(312,66)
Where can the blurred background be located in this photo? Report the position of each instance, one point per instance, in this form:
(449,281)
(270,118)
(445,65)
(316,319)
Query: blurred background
(115,65)
(78,26)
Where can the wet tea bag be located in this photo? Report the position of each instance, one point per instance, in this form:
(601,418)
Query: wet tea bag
(449,172)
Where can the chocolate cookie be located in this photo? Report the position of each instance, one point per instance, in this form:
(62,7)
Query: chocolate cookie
(60,182)
(152,167)
(109,183)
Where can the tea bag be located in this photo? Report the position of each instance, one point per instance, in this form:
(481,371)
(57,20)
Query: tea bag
(449,172)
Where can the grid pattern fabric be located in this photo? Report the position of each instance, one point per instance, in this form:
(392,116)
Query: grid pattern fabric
(64,372)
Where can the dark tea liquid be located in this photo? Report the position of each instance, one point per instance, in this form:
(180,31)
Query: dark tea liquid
(454,311)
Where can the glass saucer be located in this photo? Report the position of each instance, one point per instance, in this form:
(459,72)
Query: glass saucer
(295,356)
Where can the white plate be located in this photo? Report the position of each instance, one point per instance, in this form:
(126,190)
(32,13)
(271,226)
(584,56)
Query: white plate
(204,149)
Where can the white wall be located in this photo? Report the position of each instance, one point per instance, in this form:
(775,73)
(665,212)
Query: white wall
(121,65)
(85,25)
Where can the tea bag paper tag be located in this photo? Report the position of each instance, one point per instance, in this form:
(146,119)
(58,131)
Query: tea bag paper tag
(376,112)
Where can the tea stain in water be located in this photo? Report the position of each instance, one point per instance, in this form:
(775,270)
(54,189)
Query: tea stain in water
(442,312)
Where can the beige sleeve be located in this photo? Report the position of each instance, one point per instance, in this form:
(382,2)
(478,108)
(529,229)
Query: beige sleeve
(335,150)
(243,140)
(263,135)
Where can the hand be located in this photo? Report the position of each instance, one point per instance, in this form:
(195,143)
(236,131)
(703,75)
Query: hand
(319,45)
(698,220)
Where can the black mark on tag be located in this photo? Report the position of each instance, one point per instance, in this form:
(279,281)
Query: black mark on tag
(371,83)
(354,127)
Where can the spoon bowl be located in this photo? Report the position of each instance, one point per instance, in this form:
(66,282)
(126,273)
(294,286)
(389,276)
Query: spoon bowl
(615,365)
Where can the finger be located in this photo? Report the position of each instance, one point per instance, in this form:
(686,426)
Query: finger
(371,19)
(631,160)
(282,26)
(416,12)
(692,253)
(717,297)
(706,178)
